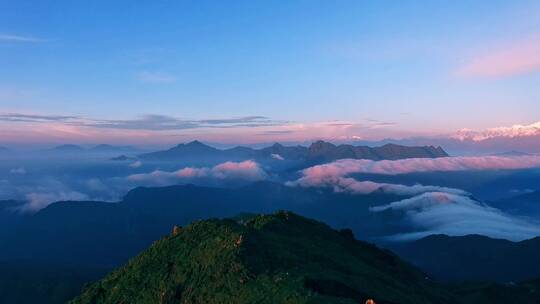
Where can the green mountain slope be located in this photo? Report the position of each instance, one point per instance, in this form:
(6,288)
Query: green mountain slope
(280,258)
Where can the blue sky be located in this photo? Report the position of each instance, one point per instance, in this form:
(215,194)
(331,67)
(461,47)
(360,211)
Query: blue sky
(411,67)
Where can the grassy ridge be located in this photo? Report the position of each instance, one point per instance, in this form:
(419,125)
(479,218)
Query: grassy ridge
(279,258)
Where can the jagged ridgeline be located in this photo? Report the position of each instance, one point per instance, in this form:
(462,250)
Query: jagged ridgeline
(279,258)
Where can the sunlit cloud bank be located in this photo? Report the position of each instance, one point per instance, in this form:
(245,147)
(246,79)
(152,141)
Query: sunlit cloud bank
(351,185)
(335,174)
(246,171)
(452,214)
(429,209)
(318,174)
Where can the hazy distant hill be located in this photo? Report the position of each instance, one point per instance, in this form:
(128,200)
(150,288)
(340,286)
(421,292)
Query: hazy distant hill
(474,257)
(527,204)
(280,258)
(101,148)
(319,151)
(68,148)
(104,148)
(194,149)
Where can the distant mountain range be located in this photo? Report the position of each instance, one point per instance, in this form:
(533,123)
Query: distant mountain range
(102,148)
(525,138)
(319,151)
(473,257)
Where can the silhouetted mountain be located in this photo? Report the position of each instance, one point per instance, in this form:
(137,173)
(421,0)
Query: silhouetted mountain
(194,149)
(280,258)
(104,148)
(473,257)
(68,148)
(527,204)
(324,151)
(319,151)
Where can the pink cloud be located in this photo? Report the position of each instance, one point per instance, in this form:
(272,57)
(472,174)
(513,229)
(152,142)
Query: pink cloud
(335,174)
(517,58)
(404,166)
(246,170)
(351,185)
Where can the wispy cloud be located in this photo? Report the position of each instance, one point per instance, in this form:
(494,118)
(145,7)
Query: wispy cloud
(160,128)
(155,77)
(276,132)
(146,122)
(515,58)
(18,117)
(19,38)
(163,122)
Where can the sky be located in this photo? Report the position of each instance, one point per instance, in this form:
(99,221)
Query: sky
(258,71)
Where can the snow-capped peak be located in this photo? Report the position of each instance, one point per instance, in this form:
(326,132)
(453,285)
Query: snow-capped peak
(508,132)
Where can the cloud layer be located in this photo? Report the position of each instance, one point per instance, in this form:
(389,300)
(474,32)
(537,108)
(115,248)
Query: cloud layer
(404,166)
(246,171)
(453,214)
(351,185)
